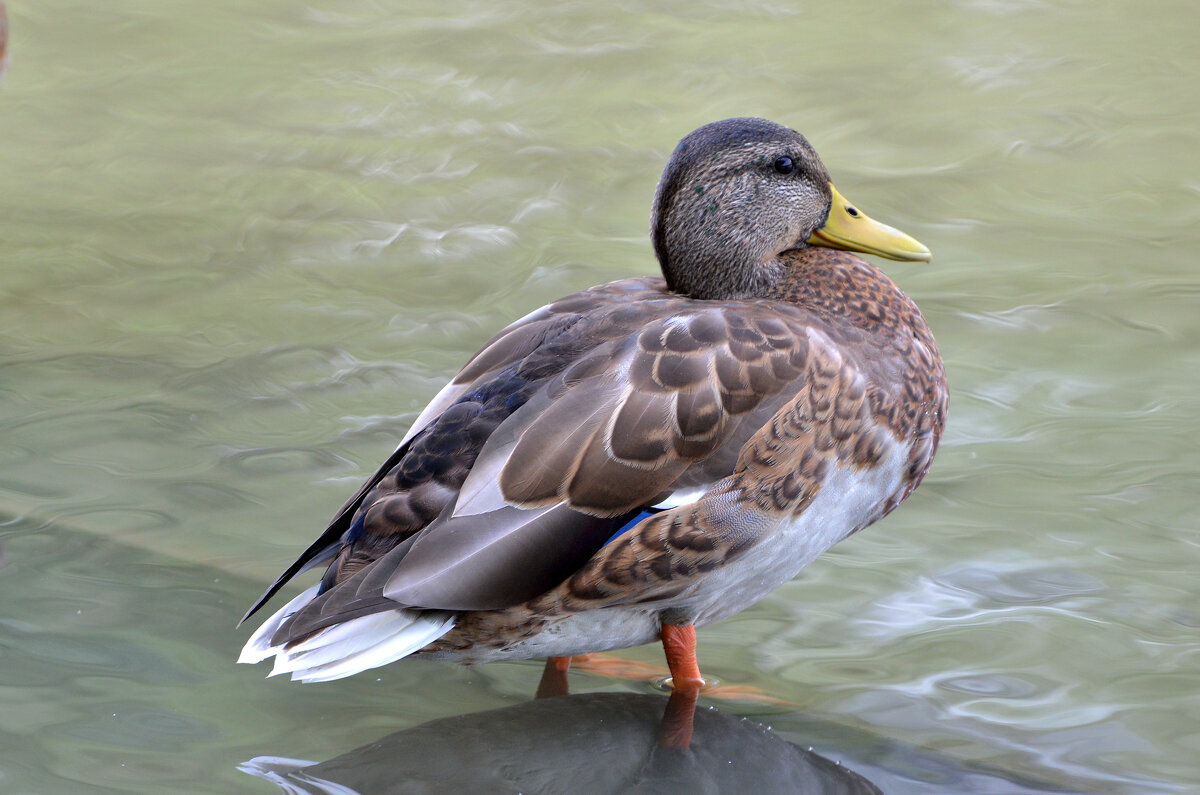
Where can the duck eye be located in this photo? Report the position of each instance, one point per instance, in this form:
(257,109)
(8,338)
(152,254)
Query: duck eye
(784,165)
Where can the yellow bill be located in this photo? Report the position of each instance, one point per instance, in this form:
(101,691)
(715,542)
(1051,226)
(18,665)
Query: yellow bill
(851,230)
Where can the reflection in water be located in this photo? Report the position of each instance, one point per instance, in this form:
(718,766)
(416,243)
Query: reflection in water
(598,743)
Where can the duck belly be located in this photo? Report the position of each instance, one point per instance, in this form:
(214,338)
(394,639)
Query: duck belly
(597,630)
(850,499)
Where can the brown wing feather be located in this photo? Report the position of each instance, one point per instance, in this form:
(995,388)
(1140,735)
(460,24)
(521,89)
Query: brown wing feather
(598,403)
(619,436)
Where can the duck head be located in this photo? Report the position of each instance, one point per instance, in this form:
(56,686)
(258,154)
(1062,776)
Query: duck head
(737,194)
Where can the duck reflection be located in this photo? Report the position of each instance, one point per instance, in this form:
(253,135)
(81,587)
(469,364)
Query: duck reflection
(595,743)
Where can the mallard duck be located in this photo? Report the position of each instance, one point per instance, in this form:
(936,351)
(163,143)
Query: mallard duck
(647,456)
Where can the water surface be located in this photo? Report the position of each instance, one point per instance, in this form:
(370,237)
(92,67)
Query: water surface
(242,244)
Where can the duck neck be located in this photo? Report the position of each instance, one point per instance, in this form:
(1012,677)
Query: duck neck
(713,261)
(718,278)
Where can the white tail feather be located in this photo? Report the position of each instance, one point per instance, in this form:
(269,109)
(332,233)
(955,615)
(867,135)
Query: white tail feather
(349,647)
(338,641)
(410,631)
(259,647)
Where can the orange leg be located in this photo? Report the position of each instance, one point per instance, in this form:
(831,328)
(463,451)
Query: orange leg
(554,678)
(679,646)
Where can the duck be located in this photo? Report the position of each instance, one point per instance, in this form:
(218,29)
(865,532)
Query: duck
(648,456)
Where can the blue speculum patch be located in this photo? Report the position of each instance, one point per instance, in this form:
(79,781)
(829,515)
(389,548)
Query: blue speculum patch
(633,521)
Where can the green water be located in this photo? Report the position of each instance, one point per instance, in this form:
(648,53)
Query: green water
(242,243)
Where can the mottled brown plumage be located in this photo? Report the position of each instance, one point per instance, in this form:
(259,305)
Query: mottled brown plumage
(770,396)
